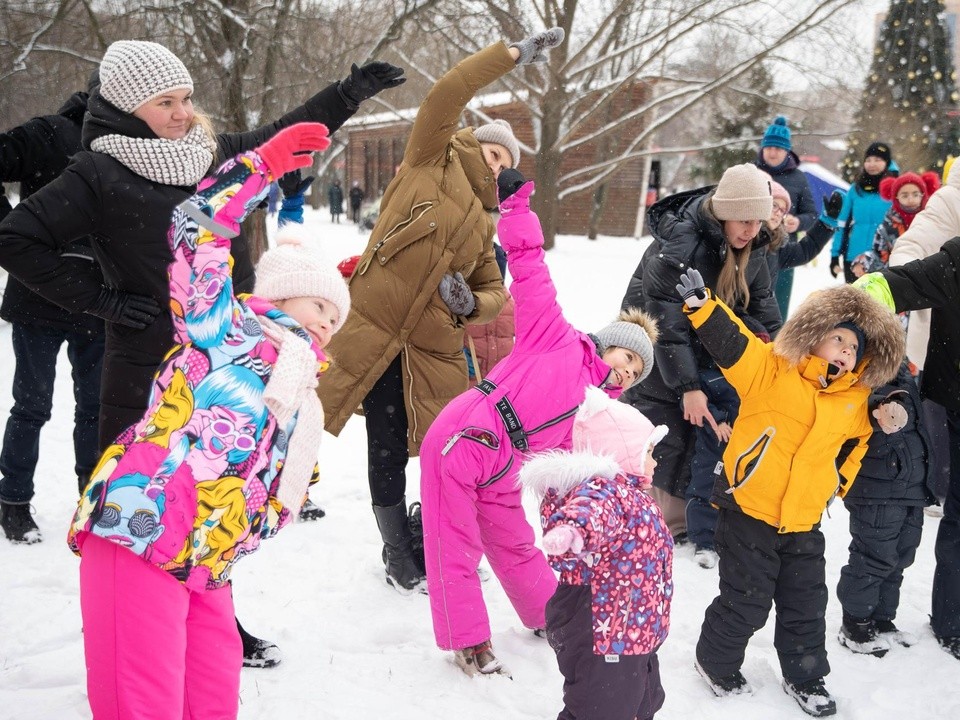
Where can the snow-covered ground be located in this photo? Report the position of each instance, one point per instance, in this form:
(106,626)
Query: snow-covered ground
(353,648)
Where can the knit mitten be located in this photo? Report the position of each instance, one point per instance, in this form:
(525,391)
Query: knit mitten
(533,49)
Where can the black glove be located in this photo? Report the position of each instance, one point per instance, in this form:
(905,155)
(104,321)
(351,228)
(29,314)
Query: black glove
(833,204)
(292,184)
(835,265)
(692,289)
(456,293)
(508,182)
(122,308)
(365,82)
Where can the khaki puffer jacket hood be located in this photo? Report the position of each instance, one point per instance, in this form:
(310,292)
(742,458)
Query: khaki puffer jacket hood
(823,310)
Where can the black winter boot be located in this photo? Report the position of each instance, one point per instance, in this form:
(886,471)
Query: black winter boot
(400,565)
(812,697)
(258,653)
(861,637)
(82,482)
(18,524)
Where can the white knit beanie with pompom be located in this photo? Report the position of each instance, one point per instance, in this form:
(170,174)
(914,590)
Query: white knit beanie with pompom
(297,268)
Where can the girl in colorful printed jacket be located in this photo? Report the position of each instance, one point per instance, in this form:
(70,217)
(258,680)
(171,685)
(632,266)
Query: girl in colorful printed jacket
(797,443)
(607,538)
(221,460)
(470,456)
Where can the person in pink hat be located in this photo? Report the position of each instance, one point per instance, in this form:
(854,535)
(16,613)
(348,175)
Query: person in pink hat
(608,539)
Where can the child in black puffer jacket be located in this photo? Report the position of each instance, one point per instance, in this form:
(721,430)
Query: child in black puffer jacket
(886,518)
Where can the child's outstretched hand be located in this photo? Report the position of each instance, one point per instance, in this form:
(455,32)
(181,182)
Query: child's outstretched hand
(891,417)
(290,148)
(692,289)
(514,192)
(561,539)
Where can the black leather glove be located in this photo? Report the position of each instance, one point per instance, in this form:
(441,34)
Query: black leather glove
(457,295)
(292,184)
(508,182)
(835,268)
(365,82)
(122,308)
(833,204)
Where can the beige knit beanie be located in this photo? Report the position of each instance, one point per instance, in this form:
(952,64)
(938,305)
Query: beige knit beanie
(500,132)
(133,72)
(745,193)
(297,268)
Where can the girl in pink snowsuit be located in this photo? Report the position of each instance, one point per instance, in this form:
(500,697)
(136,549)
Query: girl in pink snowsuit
(472,452)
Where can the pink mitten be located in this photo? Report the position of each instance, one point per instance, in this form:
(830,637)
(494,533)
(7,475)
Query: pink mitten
(290,148)
(562,539)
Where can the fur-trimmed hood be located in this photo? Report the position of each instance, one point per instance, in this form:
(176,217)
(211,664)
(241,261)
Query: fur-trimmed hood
(562,471)
(823,310)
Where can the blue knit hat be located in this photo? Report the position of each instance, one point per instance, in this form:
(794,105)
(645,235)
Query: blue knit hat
(777,135)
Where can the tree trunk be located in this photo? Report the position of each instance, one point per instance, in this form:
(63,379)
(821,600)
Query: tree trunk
(254,229)
(599,203)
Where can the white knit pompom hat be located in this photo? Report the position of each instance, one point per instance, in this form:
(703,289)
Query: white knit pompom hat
(297,268)
(133,72)
(744,193)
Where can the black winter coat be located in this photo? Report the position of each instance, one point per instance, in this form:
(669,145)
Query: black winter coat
(34,154)
(896,467)
(794,253)
(934,282)
(128,217)
(795,182)
(685,238)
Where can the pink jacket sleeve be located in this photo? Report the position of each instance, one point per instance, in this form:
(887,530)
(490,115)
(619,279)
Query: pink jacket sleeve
(538,319)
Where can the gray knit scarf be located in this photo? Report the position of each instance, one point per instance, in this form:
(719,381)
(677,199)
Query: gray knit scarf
(182,162)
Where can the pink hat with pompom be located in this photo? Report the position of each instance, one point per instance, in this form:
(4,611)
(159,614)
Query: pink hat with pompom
(297,268)
(615,429)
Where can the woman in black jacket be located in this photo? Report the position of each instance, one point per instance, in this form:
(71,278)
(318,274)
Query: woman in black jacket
(718,232)
(145,149)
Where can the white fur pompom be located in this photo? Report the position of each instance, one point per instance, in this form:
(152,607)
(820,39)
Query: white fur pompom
(595,400)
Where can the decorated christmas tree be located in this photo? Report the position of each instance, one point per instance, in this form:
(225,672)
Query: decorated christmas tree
(910,98)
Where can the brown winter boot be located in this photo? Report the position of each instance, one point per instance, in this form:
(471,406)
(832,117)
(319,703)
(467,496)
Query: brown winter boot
(480,660)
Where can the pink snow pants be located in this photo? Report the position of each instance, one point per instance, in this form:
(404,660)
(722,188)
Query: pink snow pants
(463,520)
(155,650)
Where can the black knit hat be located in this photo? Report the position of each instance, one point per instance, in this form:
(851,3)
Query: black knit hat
(880,150)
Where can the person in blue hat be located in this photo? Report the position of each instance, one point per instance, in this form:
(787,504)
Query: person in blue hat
(777,158)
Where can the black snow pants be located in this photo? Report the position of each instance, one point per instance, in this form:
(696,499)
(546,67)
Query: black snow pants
(760,567)
(593,688)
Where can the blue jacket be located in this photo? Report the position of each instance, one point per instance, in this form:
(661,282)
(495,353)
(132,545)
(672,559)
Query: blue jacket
(862,212)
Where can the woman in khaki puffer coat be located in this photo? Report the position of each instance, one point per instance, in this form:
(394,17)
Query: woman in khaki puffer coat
(427,271)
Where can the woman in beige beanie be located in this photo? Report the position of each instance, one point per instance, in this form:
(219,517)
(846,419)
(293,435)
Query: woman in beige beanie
(715,230)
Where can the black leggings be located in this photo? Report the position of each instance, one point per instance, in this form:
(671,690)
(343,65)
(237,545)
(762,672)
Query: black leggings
(387,454)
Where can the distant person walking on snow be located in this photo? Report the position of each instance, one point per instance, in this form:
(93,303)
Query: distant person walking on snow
(356,200)
(335,197)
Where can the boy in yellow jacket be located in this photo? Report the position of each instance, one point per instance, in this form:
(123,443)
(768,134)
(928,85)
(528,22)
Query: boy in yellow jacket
(804,404)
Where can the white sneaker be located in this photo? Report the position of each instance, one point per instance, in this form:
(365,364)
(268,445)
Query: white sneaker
(706,558)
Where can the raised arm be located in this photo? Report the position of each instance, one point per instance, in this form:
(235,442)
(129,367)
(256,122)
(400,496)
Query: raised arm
(201,287)
(538,319)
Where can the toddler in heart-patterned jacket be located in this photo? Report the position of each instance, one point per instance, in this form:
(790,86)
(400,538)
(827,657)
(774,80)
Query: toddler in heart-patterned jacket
(607,538)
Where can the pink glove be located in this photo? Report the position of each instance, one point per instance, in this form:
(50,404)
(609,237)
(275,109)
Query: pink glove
(562,539)
(290,148)
(519,202)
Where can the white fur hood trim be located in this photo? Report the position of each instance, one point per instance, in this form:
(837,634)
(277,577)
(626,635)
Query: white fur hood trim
(563,471)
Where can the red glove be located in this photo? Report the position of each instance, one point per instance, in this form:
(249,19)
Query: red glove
(290,148)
